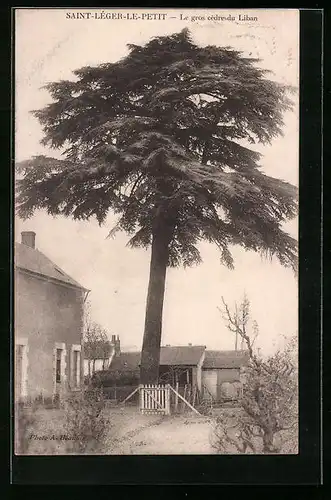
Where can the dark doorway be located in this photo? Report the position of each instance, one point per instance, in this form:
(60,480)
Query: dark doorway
(175,374)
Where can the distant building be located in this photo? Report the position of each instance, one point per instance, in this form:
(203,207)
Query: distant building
(48,316)
(222,374)
(216,374)
(180,364)
(98,355)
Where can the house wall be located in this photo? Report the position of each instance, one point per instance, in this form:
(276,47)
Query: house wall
(209,382)
(199,371)
(213,379)
(45,314)
(228,375)
(194,376)
(99,364)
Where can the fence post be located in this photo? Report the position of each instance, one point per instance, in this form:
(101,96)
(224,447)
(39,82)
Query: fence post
(167,394)
(154,396)
(176,396)
(194,394)
(142,398)
(184,396)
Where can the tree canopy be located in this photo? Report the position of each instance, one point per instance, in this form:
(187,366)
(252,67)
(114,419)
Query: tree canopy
(158,136)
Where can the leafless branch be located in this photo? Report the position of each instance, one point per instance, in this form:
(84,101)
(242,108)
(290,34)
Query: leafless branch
(136,182)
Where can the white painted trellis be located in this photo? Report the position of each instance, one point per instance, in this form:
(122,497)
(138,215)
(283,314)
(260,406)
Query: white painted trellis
(154,399)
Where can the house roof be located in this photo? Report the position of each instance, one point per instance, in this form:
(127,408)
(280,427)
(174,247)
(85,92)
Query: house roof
(170,356)
(181,355)
(126,361)
(225,359)
(34,261)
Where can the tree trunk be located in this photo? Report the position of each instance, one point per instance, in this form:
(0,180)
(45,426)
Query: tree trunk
(150,355)
(268,442)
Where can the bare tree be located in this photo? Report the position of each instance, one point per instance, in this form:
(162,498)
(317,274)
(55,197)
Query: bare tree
(268,413)
(239,321)
(96,343)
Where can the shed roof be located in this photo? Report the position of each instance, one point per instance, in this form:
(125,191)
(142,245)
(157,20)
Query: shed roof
(181,355)
(34,261)
(126,361)
(225,359)
(170,356)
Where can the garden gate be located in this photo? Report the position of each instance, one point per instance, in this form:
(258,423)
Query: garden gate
(154,399)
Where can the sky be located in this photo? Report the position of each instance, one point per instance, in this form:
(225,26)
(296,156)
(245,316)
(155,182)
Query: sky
(49,46)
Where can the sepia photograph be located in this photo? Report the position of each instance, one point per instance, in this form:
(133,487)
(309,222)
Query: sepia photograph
(156,231)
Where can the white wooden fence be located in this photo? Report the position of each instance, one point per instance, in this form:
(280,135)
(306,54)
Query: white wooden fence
(154,399)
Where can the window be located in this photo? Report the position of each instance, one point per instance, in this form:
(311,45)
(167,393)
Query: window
(75,365)
(21,367)
(76,368)
(19,370)
(58,365)
(59,369)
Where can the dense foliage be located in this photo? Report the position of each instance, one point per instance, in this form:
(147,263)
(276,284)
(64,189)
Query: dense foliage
(160,130)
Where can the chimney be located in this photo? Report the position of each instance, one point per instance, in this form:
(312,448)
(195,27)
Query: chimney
(28,238)
(113,339)
(117,346)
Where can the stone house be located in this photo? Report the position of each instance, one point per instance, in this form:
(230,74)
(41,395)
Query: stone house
(48,325)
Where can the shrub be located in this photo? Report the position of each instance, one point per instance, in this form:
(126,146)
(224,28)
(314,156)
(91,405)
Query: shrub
(107,378)
(268,418)
(85,421)
(25,419)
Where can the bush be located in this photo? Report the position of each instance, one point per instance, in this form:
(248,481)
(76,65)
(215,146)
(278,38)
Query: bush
(107,378)
(25,419)
(268,418)
(85,421)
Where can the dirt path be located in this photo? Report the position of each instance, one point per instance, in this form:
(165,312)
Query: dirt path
(155,435)
(128,423)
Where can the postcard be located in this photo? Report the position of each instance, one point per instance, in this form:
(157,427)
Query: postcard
(156,228)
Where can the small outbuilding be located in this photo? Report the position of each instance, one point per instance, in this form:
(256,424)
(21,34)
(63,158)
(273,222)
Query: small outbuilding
(216,375)
(222,374)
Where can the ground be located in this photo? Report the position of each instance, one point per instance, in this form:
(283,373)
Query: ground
(168,435)
(130,433)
